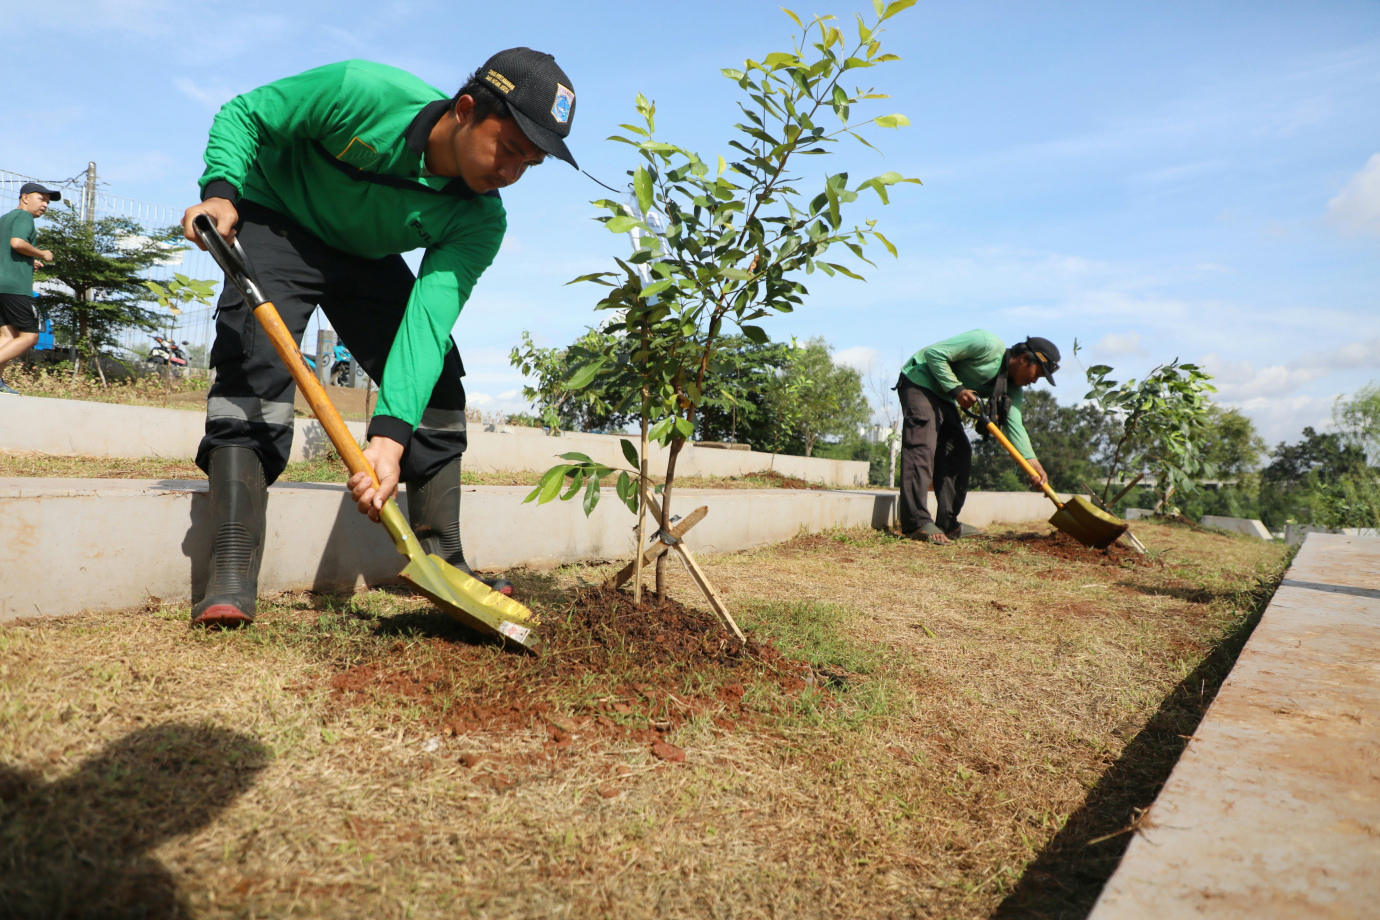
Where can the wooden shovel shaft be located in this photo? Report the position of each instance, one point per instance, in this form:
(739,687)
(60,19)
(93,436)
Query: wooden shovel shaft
(321,406)
(1025,464)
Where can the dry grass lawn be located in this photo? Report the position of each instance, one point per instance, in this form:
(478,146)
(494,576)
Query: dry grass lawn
(953,732)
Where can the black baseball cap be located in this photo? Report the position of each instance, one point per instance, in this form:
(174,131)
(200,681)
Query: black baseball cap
(539,95)
(1046,354)
(29,187)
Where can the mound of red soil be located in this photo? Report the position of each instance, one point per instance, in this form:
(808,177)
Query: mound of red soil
(1066,549)
(786,482)
(625,672)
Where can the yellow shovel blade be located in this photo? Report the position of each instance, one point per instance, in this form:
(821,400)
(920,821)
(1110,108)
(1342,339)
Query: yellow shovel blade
(1088,524)
(472,602)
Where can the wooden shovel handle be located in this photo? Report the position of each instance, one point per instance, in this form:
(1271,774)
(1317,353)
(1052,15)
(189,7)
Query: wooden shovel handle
(321,406)
(1025,464)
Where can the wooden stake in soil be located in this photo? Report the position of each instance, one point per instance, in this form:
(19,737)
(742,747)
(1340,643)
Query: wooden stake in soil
(697,575)
(653,552)
(641,510)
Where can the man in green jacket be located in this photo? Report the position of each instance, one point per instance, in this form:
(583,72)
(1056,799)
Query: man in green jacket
(934,384)
(325,178)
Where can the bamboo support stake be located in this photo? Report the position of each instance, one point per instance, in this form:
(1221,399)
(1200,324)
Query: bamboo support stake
(697,575)
(641,508)
(653,552)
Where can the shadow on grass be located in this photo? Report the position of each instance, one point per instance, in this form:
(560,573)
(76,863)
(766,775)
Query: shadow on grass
(79,847)
(1065,879)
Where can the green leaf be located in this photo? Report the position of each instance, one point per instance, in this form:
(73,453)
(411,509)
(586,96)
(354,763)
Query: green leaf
(793,16)
(575,455)
(656,287)
(880,7)
(630,452)
(624,487)
(887,243)
(659,430)
(755,334)
(642,185)
(685,428)
(591,496)
(897,6)
(576,482)
(891,121)
(584,376)
(844,270)
(623,223)
(551,484)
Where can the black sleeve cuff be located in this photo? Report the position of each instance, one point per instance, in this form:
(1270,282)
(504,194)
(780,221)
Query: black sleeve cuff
(219,188)
(958,389)
(387,426)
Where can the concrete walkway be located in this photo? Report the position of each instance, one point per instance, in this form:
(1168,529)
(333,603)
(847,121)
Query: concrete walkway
(68,545)
(1274,809)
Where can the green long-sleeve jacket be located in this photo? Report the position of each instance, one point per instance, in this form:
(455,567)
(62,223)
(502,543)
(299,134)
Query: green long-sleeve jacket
(969,362)
(299,145)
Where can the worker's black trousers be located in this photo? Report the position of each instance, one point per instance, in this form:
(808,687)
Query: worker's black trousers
(250,403)
(934,449)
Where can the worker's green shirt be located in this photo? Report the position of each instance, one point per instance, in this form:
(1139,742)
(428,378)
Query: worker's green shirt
(969,362)
(16,270)
(284,145)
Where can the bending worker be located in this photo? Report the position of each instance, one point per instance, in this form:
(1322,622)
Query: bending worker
(325,178)
(934,383)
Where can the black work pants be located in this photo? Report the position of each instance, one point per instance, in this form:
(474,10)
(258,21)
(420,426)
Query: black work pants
(250,403)
(934,449)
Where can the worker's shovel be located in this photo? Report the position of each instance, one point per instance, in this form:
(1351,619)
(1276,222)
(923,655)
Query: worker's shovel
(466,599)
(1077,517)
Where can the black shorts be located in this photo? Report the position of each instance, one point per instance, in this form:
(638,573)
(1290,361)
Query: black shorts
(19,311)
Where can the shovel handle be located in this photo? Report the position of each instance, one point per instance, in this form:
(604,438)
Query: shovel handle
(1025,464)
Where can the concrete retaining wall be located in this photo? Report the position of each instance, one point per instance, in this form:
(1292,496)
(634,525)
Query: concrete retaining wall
(1247,526)
(71,427)
(68,545)
(1273,809)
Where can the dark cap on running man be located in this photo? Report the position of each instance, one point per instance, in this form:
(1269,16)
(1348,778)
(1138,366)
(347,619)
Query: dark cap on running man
(539,95)
(1045,353)
(30,187)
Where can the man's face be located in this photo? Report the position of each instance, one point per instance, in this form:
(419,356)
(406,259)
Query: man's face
(36,203)
(493,153)
(1023,371)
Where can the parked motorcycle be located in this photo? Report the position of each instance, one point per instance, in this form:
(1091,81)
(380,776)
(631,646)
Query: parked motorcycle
(167,352)
(340,366)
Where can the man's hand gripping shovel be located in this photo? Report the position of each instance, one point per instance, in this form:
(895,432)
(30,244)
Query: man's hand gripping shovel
(1077,517)
(467,599)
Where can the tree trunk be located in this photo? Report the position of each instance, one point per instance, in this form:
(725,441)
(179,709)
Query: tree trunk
(82,336)
(676,445)
(642,487)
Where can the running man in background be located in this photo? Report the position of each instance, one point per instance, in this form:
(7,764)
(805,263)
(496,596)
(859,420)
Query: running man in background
(19,323)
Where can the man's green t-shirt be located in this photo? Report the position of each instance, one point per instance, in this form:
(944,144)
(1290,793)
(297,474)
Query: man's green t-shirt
(17,271)
(297,146)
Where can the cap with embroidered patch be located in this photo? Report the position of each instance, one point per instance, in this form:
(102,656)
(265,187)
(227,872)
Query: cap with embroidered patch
(539,95)
(1046,354)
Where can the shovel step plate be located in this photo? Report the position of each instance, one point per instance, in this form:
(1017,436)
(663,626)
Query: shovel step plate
(471,602)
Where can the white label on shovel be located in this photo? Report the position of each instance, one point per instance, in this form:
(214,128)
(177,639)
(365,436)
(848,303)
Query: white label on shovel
(513,631)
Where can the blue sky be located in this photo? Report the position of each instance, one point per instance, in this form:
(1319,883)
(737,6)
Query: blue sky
(1172,180)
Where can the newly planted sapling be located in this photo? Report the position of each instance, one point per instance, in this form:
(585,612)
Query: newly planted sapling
(1162,420)
(721,245)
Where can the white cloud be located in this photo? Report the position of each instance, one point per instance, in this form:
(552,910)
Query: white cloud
(1242,381)
(210,97)
(1282,419)
(510,394)
(1114,345)
(861,358)
(478,399)
(1356,209)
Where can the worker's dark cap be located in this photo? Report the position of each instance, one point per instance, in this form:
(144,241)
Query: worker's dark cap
(1046,354)
(539,95)
(29,187)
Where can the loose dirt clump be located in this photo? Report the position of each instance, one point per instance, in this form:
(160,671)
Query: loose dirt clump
(609,669)
(1066,549)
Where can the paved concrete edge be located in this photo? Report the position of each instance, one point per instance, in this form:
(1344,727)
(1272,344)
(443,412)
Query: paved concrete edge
(1273,810)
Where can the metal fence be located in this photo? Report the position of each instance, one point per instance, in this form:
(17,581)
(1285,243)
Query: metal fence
(196,326)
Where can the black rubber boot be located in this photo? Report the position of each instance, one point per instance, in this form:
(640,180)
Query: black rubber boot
(433,509)
(239,501)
